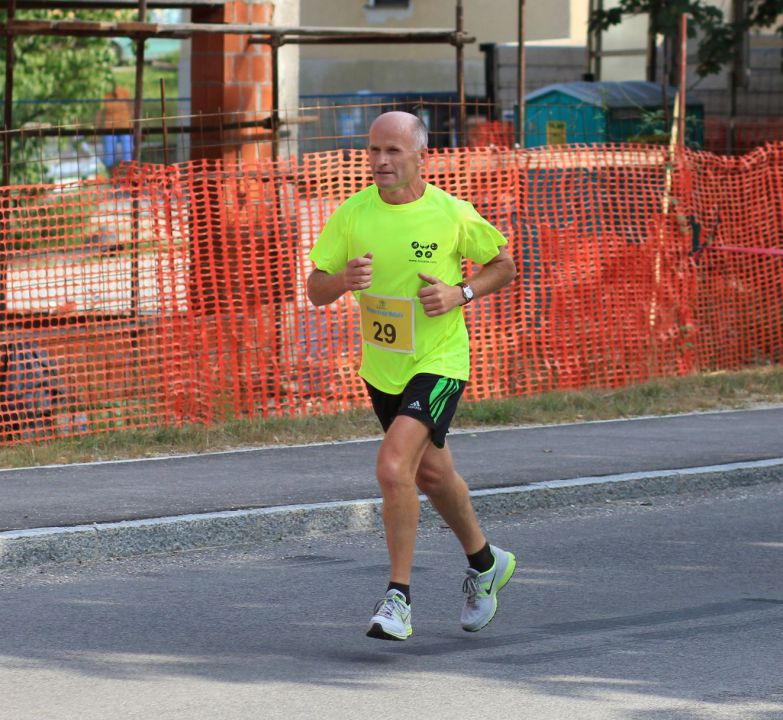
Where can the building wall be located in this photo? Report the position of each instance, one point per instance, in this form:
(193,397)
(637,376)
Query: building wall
(230,80)
(544,65)
(287,14)
(630,35)
(423,67)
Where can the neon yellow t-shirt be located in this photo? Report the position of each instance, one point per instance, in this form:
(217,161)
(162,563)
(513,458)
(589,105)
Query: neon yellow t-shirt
(430,235)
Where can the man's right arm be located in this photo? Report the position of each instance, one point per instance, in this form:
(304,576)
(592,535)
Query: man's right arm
(323,288)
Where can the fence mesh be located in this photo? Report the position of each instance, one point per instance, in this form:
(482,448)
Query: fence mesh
(171,294)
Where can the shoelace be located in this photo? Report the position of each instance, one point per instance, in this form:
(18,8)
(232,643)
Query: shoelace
(387,606)
(470,587)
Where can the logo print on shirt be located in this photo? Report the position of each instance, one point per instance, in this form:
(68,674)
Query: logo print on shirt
(423,252)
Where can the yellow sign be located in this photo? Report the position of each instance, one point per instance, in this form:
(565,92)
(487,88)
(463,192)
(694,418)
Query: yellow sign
(388,322)
(555,132)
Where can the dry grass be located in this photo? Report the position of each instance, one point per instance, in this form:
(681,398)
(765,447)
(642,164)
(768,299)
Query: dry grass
(695,393)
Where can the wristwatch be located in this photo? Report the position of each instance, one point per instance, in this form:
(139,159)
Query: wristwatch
(467,291)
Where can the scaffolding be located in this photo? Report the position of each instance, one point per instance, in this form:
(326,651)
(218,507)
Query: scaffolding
(141,30)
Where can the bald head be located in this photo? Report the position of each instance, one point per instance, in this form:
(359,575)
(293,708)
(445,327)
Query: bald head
(396,150)
(405,123)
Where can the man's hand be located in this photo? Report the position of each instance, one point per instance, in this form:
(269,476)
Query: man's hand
(358,273)
(437,297)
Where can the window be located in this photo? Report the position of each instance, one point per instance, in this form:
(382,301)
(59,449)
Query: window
(380,4)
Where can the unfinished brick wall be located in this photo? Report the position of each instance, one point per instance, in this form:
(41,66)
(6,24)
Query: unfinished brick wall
(231,81)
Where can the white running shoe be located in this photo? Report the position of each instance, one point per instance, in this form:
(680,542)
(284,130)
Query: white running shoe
(392,618)
(481,590)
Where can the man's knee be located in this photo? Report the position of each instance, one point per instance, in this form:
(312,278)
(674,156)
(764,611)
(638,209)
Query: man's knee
(433,479)
(401,452)
(393,471)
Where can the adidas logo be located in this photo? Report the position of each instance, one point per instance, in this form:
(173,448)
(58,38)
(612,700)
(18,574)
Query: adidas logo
(414,405)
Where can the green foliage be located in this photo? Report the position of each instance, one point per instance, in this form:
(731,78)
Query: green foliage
(719,36)
(52,222)
(126,77)
(654,129)
(60,68)
(56,68)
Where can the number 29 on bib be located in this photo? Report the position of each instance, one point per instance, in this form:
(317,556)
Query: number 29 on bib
(388,322)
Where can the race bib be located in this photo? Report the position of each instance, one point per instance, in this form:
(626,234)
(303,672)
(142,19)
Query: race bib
(388,322)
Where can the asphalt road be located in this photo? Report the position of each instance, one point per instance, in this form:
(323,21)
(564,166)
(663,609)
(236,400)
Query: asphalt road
(648,610)
(106,492)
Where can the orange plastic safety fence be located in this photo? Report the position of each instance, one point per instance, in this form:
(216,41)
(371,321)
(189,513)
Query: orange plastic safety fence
(499,133)
(741,134)
(171,295)
(737,206)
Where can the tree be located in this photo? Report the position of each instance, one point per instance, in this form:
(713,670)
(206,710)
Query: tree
(720,38)
(57,80)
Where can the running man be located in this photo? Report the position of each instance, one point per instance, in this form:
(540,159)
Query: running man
(398,245)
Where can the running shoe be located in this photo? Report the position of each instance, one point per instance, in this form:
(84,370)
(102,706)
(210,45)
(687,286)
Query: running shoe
(481,590)
(392,618)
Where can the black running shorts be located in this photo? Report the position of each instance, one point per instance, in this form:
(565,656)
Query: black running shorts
(431,399)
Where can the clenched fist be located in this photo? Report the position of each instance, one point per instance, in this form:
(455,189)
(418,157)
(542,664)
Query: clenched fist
(437,297)
(358,273)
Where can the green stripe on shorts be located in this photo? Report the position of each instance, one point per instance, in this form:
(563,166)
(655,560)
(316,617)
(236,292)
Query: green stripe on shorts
(443,390)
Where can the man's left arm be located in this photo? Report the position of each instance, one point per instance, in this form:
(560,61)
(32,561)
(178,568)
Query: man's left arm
(438,298)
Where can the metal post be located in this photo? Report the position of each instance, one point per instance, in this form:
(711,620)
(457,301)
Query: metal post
(683,79)
(8,110)
(652,52)
(462,122)
(589,74)
(139,92)
(136,204)
(8,123)
(666,81)
(277,41)
(599,46)
(520,124)
(163,121)
(736,77)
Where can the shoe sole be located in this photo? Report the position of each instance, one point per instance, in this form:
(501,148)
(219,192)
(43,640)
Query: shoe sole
(507,575)
(376,631)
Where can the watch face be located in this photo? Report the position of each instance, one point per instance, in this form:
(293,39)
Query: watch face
(467,292)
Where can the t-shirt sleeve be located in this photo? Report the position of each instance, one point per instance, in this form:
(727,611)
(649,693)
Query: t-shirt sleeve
(330,251)
(479,239)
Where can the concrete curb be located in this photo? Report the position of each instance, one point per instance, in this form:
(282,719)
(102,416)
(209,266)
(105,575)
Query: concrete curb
(84,543)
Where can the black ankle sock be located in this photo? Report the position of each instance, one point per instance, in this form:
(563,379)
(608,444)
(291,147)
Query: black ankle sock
(404,589)
(483,560)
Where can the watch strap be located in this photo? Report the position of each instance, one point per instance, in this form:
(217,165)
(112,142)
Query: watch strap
(468,296)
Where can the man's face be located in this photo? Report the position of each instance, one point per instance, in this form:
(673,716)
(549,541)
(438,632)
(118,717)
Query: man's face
(395,158)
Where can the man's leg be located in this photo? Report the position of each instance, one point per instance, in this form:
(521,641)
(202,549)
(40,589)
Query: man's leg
(400,454)
(398,457)
(448,492)
(490,568)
